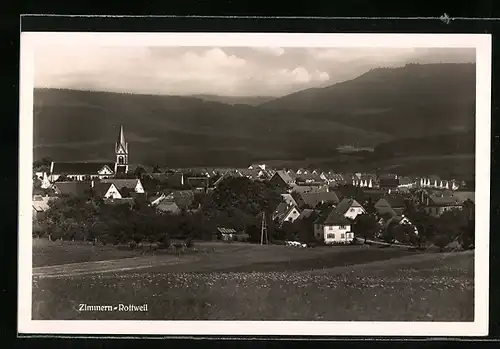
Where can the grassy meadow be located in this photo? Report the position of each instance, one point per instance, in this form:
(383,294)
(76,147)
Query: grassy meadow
(253,282)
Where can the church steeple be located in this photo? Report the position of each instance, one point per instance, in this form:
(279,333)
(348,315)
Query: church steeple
(121,150)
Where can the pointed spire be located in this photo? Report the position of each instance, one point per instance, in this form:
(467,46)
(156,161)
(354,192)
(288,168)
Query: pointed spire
(121,137)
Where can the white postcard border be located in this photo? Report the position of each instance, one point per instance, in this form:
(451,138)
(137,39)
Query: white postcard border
(482,43)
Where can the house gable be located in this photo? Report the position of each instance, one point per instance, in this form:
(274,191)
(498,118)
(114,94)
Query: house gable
(138,187)
(105,170)
(112,192)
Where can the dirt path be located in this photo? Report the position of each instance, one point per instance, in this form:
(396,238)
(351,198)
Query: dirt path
(109,266)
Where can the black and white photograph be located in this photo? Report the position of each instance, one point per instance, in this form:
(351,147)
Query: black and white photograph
(254,184)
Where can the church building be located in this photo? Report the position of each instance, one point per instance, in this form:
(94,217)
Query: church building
(91,170)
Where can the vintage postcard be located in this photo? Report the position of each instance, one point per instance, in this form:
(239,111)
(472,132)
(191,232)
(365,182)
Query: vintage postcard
(254,184)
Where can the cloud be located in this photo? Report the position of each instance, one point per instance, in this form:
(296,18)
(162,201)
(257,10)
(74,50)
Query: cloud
(374,55)
(215,58)
(271,71)
(274,51)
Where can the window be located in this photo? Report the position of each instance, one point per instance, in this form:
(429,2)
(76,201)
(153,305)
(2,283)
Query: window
(120,160)
(342,227)
(342,236)
(330,227)
(351,210)
(330,236)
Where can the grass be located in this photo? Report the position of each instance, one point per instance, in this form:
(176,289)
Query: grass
(47,253)
(419,287)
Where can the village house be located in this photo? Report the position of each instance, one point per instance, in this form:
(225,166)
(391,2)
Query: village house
(257,167)
(438,183)
(436,205)
(311,200)
(282,179)
(300,189)
(390,204)
(73,188)
(463,196)
(285,213)
(332,227)
(168,207)
(81,171)
(288,198)
(133,185)
(40,204)
(349,208)
(401,220)
(309,178)
(364,181)
(307,213)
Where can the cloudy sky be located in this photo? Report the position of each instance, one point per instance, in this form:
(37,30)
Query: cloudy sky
(225,71)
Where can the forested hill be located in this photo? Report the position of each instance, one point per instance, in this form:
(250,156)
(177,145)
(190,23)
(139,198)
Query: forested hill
(380,106)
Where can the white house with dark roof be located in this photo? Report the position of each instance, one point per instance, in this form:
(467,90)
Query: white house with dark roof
(285,213)
(333,227)
(288,198)
(349,208)
(437,205)
(133,184)
(90,169)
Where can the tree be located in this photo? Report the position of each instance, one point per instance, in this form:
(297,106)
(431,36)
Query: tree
(156,168)
(423,222)
(405,233)
(139,172)
(289,230)
(370,207)
(365,225)
(441,240)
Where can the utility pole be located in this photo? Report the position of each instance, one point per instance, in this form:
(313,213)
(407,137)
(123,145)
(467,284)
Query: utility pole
(263,231)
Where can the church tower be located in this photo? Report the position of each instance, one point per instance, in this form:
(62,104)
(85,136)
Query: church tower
(121,150)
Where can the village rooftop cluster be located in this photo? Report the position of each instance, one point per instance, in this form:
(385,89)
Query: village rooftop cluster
(329,202)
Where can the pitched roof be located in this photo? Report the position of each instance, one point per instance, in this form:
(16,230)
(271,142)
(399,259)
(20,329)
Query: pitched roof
(309,177)
(306,213)
(168,206)
(282,209)
(73,188)
(284,176)
(463,196)
(122,183)
(346,204)
(100,189)
(309,189)
(226,230)
(80,168)
(395,201)
(313,199)
(41,203)
(332,217)
(288,198)
(442,201)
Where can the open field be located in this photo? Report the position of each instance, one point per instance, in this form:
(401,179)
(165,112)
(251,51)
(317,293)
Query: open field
(62,252)
(252,282)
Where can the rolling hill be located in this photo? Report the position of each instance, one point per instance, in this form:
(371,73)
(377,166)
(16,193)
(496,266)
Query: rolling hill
(381,106)
(410,101)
